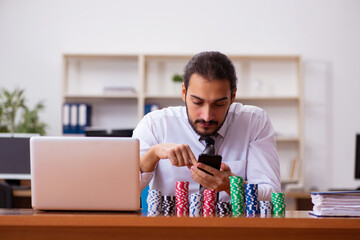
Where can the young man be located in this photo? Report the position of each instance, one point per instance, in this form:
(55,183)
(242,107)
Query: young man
(171,139)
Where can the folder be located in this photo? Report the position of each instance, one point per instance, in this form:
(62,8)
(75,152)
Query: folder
(66,118)
(74,118)
(84,112)
(151,107)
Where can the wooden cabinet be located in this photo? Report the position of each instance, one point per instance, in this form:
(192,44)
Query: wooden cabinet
(119,86)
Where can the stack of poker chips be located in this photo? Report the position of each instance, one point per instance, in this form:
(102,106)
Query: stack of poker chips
(168,206)
(182,198)
(237,195)
(154,203)
(251,196)
(223,209)
(196,200)
(265,208)
(278,201)
(209,203)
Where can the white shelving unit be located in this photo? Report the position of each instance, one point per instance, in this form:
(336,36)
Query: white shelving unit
(118,87)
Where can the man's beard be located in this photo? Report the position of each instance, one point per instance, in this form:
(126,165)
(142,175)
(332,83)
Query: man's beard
(211,122)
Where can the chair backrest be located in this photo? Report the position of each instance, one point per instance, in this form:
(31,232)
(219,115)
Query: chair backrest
(6,195)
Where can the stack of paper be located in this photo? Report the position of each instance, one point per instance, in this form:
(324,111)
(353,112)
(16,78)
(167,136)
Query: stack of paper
(345,203)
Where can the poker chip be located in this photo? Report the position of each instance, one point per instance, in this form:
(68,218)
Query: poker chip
(154,201)
(244,198)
(278,202)
(182,198)
(209,205)
(237,195)
(168,206)
(196,205)
(251,197)
(223,209)
(265,208)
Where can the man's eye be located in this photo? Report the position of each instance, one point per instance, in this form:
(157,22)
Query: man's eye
(197,103)
(219,104)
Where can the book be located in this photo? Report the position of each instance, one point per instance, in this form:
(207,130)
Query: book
(336,203)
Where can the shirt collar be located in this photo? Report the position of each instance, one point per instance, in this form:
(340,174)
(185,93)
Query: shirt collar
(222,131)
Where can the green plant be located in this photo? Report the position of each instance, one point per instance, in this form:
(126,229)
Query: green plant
(177,78)
(13,103)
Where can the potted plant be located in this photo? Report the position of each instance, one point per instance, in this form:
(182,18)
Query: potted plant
(177,79)
(16,116)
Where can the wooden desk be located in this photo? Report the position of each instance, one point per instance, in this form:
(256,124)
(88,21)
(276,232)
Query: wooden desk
(30,224)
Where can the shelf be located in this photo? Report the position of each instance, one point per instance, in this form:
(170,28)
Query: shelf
(267,98)
(166,96)
(289,181)
(292,194)
(272,58)
(167,57)
(99,56)
(272,83)
(287,139)
(100,96)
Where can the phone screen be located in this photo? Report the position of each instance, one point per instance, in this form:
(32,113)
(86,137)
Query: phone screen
(211,160)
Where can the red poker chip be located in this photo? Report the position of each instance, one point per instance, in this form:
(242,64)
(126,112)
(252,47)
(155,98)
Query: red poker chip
(209,203)
(182,198)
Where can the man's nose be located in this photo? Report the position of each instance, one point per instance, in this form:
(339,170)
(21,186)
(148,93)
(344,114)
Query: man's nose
(206,114)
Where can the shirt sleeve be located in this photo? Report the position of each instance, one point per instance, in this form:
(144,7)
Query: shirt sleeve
(145,179)
(263,166)
(144,131)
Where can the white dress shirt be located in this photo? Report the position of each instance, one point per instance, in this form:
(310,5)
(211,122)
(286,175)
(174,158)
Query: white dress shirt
(246,142)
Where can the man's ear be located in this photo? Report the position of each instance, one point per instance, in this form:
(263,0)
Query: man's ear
(233,96)
(183,92)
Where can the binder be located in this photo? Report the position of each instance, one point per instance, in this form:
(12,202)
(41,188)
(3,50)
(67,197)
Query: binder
(74,118)
(151,107)
(66,118)
(84,112)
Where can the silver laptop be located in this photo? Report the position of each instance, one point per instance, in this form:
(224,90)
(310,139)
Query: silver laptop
(85,173)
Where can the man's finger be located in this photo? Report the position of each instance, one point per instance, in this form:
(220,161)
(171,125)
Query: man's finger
(201,177)
(180,159)
(173,158)
(185,156)
(209,169)
(192,157)
(224,167)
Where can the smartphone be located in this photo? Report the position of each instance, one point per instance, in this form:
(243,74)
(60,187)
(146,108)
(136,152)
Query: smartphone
(211,160)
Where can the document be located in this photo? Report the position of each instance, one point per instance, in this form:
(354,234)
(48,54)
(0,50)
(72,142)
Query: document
(336,203)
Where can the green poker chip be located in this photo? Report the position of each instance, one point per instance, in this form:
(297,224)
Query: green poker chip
(237,195)
(278,201)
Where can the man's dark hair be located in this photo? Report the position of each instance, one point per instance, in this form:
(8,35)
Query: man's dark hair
(211,66)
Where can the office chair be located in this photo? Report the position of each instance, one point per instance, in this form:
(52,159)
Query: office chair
(6,196)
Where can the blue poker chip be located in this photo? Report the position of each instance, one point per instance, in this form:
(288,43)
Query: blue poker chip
(251,199)
(195,206)
(154,201)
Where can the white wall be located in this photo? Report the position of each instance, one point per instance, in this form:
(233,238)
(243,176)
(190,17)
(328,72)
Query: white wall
(34,34)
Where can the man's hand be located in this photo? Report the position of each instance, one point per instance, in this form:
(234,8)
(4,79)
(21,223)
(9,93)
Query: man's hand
(219,181)
(179,154)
